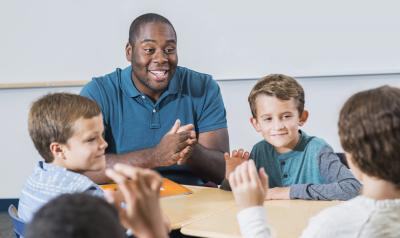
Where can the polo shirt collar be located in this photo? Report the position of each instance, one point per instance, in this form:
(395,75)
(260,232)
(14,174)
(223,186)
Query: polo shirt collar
(127,83)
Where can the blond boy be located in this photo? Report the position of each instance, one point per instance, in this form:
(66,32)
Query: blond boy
(369,130)
(67,130)
(299,166)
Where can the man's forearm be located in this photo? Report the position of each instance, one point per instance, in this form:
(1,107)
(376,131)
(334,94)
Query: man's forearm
(207,164)
(141,158)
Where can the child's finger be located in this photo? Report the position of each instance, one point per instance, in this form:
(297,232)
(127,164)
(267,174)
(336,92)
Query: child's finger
(252,171)
(264,179)
(244,172)
(127,170)
(246,156)
(226,156)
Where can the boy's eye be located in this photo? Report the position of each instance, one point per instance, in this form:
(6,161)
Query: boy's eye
(287,116)
(267,119)
(91,139)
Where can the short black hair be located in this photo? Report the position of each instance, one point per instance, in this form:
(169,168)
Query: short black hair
(144,19)
(76,216)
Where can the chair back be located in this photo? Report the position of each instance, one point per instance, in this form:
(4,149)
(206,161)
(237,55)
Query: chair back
(342,158)
(18,224)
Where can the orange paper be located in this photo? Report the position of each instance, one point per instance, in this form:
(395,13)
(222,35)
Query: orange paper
(168,188)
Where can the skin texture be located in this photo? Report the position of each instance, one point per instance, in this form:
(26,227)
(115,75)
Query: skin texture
(140,191)
(154,59)
(84,151)
(234,159)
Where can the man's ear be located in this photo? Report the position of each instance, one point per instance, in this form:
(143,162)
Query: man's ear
(57,150)
(254,123)
(128,52)
(303,118)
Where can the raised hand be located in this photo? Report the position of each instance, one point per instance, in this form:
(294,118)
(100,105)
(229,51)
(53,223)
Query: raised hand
(249,187)
(176,146)
(140,190)
(235,159)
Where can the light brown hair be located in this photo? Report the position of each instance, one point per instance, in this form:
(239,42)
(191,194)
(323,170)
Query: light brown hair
(52,117)
(277,85)
(369,129)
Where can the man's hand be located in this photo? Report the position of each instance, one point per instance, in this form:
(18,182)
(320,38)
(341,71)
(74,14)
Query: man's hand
(234,160)
(278,193)
(140,189)
(248,186)
(176,146)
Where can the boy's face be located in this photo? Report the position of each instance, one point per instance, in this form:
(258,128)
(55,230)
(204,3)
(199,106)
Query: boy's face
(278,121)
(84,151)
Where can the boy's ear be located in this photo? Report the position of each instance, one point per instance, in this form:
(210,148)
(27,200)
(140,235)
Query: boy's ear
(57,150)
(303,118)
(128,51)
(254,123)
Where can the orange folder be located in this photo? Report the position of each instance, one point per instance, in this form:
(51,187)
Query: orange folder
(168,188)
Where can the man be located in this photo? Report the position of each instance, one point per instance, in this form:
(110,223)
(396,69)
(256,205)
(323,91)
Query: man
(144,104)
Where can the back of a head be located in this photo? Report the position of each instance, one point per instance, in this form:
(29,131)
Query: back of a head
(52,117)
(369,129)
(75,216)
(144,19)
(280,86)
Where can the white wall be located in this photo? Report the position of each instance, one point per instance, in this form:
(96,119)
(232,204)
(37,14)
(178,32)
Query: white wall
(47,40)
(324,97)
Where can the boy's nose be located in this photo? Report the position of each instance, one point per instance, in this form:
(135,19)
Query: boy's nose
(278,125)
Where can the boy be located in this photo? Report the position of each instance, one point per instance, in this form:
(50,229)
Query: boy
(67,130)
(82,215)
(369,130)
(299,166)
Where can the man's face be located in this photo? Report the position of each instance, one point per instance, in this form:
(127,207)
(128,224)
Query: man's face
(154,58)
(278,121)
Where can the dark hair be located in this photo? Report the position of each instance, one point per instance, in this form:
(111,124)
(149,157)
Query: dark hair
(144,19)
(277,85)
(369,129)
(51,119)
(76,216)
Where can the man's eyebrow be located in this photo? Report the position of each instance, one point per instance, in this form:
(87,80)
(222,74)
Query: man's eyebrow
(150,40)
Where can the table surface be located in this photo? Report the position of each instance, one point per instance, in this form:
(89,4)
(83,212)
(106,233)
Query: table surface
(211,212)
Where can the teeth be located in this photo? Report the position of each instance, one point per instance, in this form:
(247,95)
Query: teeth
(159,73)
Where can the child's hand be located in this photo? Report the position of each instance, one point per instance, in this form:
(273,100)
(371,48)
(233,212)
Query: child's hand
(231,162)
(248,186)
(278,193)
(140,189)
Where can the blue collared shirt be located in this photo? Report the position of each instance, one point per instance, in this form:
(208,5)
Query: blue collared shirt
(133,121)
(47,182)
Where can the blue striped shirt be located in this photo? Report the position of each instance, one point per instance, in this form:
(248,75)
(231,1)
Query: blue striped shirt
(47,182)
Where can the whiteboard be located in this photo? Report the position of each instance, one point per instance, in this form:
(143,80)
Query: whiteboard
(69,40)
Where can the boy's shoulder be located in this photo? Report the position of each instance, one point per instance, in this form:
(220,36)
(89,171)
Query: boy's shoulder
(312,142)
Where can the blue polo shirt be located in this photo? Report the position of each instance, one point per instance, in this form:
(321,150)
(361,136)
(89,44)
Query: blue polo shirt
(133,121)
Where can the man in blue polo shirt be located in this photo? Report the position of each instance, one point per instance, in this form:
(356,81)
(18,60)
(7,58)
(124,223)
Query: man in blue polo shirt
(145,105)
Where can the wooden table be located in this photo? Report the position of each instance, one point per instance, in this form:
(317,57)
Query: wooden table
(185,209)
(211,212)
(287,219)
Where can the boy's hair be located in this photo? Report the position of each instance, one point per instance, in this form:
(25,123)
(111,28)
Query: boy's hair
(144,19)
(52,117)
(369,129)
(277,85)
(76,216)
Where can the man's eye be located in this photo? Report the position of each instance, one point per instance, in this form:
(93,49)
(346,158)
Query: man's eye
(169,50)
(149,50)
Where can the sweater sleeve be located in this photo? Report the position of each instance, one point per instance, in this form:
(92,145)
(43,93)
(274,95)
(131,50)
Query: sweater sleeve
(339,182)
(253,223)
